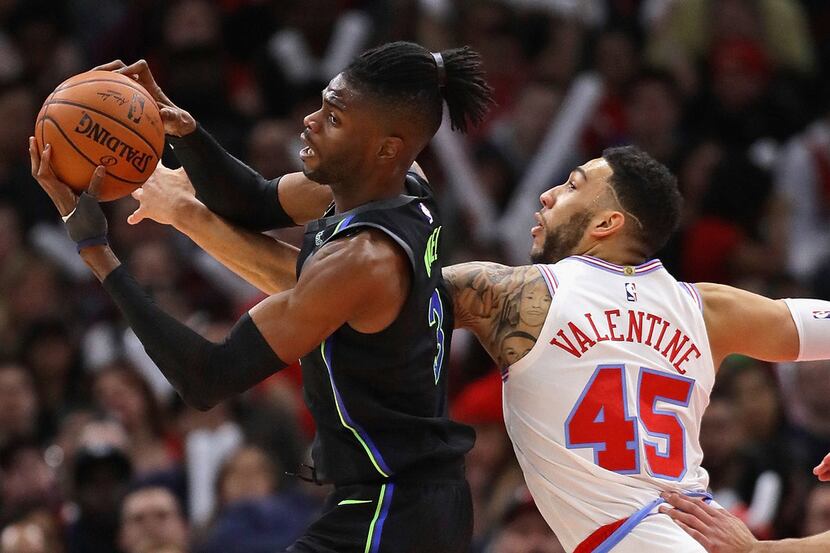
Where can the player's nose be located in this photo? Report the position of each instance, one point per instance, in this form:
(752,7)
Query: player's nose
(547,198)
(310,122)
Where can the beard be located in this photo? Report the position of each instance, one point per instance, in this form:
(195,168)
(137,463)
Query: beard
(560,242)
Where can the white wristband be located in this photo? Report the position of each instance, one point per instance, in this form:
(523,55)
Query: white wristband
(812,321)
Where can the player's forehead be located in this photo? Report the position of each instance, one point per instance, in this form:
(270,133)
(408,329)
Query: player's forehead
(339,93)
(596,171)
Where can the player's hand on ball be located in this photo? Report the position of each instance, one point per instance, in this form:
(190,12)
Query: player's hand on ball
(823,469)
(82,214)
(177,122)
(61,195)
(163,197)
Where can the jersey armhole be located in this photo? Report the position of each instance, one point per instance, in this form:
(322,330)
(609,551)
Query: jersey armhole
(550,279)
(691,289)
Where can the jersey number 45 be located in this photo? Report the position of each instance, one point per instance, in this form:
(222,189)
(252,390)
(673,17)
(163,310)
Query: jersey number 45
(600,420)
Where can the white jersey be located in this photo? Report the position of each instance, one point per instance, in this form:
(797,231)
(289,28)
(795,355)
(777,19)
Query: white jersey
(604,411)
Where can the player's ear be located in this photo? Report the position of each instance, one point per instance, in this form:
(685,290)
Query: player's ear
(607,222)
(390,149)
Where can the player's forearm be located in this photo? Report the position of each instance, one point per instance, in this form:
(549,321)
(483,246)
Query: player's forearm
(227,186)
(204,373)
(266,263)
(813,544)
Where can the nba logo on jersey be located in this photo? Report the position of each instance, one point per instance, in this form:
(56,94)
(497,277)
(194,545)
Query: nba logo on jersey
(630,291)
(822,314)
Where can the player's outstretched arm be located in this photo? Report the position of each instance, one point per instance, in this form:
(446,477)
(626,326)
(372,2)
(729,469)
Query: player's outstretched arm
(362,280)
(722,532)
(741,322)
(168,198)
(487,300)
(223,183)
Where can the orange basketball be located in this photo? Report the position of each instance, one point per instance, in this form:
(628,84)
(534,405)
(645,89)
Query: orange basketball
(101,118)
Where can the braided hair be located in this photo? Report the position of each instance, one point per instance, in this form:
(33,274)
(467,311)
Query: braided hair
(406,76)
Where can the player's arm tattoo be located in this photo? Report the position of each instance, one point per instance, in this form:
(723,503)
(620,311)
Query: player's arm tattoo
(504,306)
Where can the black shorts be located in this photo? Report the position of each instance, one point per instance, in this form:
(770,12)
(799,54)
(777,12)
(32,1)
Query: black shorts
(403,517)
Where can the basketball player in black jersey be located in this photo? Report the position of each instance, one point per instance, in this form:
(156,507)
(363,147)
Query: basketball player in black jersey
(369,314)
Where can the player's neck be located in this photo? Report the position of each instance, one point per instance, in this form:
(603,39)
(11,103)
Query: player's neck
(349,195)
(614,253)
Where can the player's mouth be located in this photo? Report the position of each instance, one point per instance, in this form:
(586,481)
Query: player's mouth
(539,227)
(308,151)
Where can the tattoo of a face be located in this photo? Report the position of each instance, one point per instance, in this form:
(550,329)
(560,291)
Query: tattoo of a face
(504,306)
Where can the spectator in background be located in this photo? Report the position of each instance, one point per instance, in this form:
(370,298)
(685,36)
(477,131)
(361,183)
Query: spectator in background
(522,529)
(802,179)
(725,244)
(817,518)
(152,522)
(692,28)
(721,438)
(19,412)
(616,60)
(27,483)
(769,483)
(653,110)
(253,517)
(518,134)
(491,467)
(37,532)
(14,257)
(808,387)
(122,394)
(101,474)
(17,110)
(50,351)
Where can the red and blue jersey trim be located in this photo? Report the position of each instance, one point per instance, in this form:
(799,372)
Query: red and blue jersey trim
(604,538)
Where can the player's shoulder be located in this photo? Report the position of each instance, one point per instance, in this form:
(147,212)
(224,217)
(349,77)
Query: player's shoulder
(364,247)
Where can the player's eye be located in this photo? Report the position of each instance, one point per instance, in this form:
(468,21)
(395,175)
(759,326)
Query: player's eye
(332,119)
(571,185)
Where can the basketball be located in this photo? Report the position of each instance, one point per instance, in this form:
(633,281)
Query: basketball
(101,118)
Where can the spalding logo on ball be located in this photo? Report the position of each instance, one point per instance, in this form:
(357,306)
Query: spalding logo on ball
(101,118)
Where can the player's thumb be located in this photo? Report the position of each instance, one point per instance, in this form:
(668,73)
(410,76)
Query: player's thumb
(135,217)
(98,175)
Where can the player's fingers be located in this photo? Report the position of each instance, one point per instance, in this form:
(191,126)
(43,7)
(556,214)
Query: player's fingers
(34,156)
(111,66)
(680,516)
(695,507)
(698,536)
(136,216)
(141,72)
(44,169)
(169,115)
(98,175)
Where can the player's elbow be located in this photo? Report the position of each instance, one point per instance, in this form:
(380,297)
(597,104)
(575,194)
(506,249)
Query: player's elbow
(199,400)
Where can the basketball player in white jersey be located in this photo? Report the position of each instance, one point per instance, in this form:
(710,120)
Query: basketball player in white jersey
(607,360)
(603,401)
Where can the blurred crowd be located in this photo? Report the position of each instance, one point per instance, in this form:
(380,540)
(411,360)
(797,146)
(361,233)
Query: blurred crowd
(98,454)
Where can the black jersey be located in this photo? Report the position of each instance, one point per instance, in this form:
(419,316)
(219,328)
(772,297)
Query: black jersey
(380,400)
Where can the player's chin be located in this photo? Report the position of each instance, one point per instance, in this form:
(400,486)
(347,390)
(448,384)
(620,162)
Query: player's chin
(315,174)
